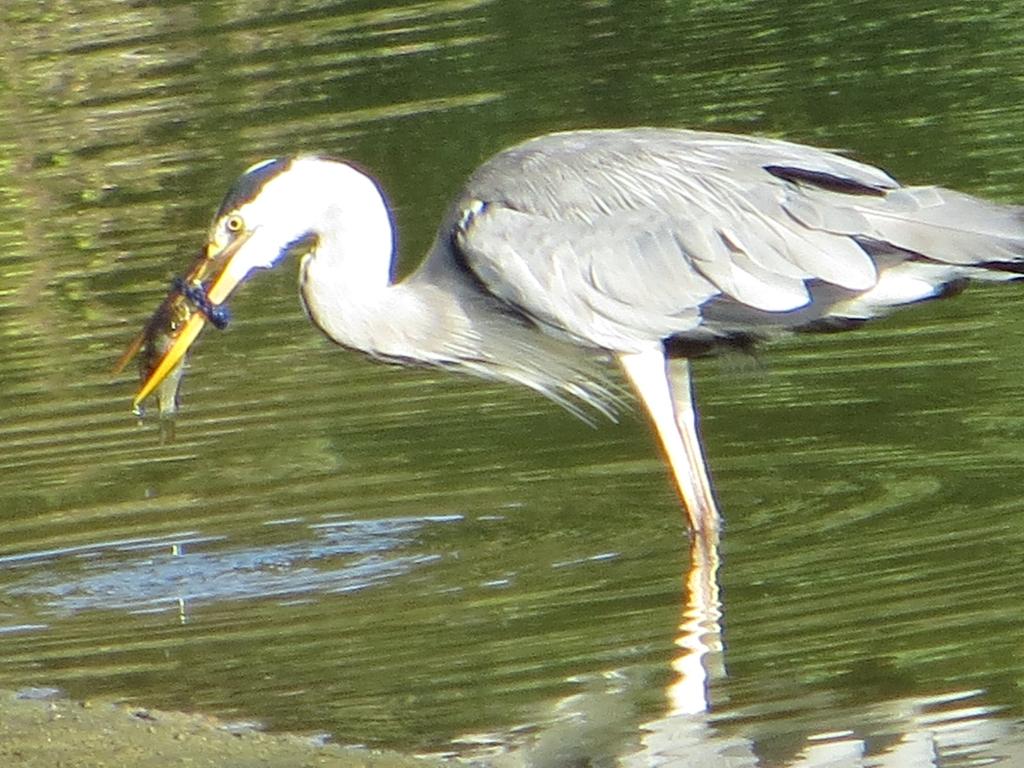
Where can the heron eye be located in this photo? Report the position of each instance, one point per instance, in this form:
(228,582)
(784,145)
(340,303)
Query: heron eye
(234,224)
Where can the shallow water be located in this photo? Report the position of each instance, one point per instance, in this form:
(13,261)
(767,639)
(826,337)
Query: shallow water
(406,559)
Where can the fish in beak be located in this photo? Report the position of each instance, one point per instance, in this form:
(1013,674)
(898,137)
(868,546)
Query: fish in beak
(194,300)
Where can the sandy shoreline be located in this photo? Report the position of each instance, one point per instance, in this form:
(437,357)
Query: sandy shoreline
(74,734)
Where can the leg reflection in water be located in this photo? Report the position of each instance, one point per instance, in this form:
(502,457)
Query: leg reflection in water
(684,736)
(700,633)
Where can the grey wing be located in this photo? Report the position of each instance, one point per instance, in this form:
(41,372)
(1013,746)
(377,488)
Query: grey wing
(576,278)
(619,238)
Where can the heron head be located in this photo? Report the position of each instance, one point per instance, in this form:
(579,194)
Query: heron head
(277,208)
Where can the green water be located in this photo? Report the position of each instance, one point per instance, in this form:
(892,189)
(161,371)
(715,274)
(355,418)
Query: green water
(411,560)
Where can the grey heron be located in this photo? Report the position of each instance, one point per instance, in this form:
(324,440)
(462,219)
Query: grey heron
(639,244)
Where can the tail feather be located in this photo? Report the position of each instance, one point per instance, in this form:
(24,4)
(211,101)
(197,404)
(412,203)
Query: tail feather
(934,223)
(924,241)
(951,227)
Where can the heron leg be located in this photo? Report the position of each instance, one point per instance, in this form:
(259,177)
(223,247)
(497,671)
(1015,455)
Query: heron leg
(687,420)
(670,405)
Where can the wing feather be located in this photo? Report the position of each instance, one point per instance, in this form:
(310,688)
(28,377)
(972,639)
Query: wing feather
(621,237)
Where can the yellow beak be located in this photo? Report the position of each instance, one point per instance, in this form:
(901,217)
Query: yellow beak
(183,337)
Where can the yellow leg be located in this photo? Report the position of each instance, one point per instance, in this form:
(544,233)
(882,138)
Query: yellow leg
(669,401)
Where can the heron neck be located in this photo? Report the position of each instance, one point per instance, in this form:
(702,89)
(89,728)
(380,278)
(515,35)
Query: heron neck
(365,310)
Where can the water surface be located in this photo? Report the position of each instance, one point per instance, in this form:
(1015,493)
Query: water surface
(427,563)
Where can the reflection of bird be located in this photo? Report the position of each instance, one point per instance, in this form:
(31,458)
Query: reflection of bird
(646,244)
